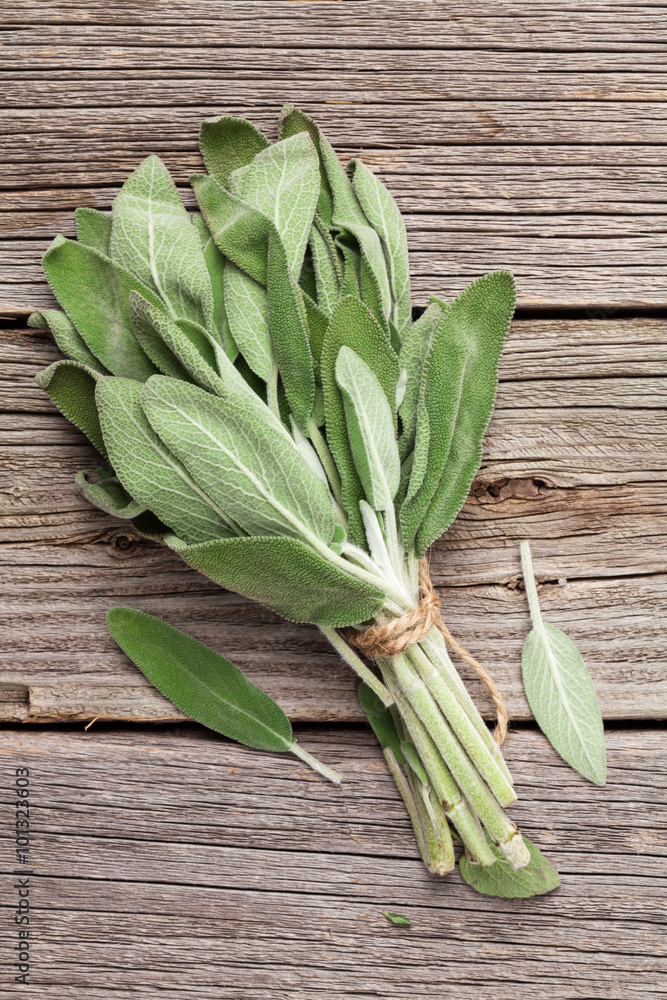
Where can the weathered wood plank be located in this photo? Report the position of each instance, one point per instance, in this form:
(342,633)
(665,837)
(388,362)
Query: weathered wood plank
(246,876)
(584,483)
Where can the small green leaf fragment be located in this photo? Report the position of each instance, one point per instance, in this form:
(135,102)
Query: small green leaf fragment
(536,878)
(397,919)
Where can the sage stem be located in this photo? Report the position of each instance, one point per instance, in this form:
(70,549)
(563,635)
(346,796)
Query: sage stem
(462,725)
(365,673)
(317,765)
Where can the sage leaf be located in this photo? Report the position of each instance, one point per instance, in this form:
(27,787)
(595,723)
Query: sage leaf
(251,241)
(359,279)
(383,214)
(353,326)
(71,386)
(201,682)
(93,229)
(146,323)
(153,237)
(413,354)
(242,457)
(282,182)
(560,690)
(109,495)
(67,337)
(397,919)
(285,575)
(95,291)
(326,266)
(499,879)
(149,471)
(293,121)
(346,213)
(247,310)
(382,722)
(216,264)
(370,427)
(458,389)
(228,143)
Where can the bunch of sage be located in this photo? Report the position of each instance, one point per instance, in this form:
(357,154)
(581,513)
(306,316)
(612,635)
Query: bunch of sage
(266,407)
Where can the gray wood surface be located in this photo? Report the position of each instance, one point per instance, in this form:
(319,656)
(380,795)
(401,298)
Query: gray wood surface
(575,460)
(172,863)
(513,135)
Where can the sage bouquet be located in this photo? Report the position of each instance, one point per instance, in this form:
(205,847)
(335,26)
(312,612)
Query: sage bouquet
(266,407)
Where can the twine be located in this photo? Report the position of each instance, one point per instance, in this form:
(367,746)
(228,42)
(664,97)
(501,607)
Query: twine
(395,635)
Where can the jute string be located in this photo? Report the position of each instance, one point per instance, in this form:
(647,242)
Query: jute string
(393,637)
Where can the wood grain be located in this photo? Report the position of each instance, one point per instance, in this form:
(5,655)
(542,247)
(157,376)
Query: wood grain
(174,861)
(575,460)
(515,136)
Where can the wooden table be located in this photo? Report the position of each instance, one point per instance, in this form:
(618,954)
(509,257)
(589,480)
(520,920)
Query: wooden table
(168,862)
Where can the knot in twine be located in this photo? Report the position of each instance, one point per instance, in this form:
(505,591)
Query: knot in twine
(394,636)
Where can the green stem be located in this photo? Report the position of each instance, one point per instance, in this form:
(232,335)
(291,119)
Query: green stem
(410,804)
(501,828)
(531,586)
(457,809)
(317,765)
(438,653)
(437,833)
(462,725)
(357,664)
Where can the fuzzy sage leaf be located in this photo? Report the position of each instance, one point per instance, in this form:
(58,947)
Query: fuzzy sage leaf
(207,686)
(500,879)
(560,691)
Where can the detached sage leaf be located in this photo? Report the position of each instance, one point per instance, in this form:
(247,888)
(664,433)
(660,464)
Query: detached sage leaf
(153,237)
(370,428)
(93,228)
(285,575)
(500,879)
(243,458)
(209,687)
(397,919)
(95,293)
(149,471)
(67,337)
(71,386)
(560,691)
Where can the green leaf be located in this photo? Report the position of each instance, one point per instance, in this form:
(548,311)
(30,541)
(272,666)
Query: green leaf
(201,682)
(67,337)
(560,690)
(71,386)
(95,291)
(216,264)
(293,121)
(352,325)
(153,237)
(383,214)
(109,495)
(326,265)
(282,183)
(370,427)
(359,279)
(285,575)
(146,323)
(250,240)
(381,721)
(413,760)
(148,470)
(536,878)
(242,457)
(228,143)
(414,352)
(247,310)
(458,389)
(346,212)
(397,919)
(93,229)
